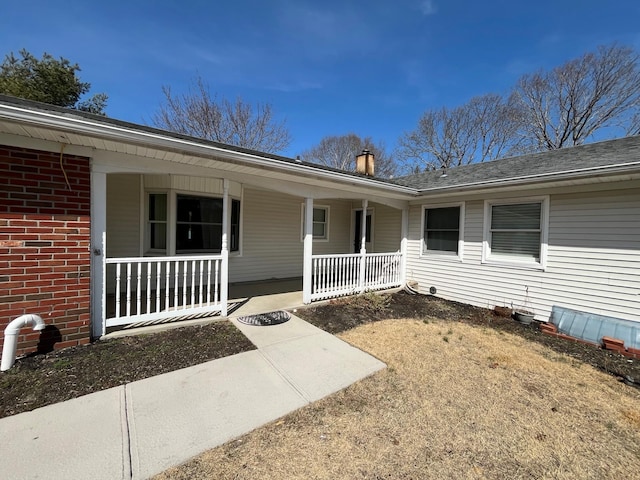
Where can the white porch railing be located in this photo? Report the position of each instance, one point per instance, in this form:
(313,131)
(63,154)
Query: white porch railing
(150,288)
(342,274)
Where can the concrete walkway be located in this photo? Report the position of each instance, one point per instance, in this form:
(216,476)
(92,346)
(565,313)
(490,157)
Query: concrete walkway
(145,427)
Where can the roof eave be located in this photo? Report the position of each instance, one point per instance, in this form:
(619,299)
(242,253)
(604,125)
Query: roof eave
(44,119)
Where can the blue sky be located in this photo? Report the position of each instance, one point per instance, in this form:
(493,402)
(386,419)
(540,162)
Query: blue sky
(328,68)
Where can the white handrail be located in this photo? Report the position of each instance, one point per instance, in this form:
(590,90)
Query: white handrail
(345,274)
(186,280)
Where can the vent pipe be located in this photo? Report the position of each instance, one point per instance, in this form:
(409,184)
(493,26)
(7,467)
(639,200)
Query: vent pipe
(11,336)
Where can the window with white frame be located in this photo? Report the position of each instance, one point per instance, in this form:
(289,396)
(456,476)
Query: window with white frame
(157,222)
(197,227)
(515,232)
(442,230)
(320,222)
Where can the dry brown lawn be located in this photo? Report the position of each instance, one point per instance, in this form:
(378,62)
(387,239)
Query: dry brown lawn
(456,402)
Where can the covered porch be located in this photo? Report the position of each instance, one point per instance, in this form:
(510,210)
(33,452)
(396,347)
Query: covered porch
(323,247)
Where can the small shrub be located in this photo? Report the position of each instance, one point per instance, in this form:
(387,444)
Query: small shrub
(369,301)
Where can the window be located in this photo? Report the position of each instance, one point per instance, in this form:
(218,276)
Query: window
(197,227)
(442,230)
(516,232)
(157,224)
(320,223)
(198,224)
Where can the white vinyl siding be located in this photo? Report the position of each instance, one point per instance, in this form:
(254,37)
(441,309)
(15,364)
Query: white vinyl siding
(123,215)
(271,236)
(387,231)
(588,267)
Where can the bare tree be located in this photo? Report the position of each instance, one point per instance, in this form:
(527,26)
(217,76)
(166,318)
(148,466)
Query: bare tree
(567,105)
(341,151)
(199,114)
(483,129)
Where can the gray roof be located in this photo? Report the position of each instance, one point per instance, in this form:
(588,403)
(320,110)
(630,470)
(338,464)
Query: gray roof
(590,159)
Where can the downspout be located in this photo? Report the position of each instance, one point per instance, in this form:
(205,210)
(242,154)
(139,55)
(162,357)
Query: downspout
(11,337)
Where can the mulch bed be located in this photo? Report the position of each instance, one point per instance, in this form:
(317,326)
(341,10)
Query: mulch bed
(39,380)
(343,314)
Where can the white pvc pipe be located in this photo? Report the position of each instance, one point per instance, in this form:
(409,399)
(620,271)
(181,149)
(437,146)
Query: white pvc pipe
(11,336)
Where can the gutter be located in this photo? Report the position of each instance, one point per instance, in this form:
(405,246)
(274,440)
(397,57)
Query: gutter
(112,132)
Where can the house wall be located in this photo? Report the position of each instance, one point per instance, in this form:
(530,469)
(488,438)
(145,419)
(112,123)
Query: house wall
(592,264)
(44,246)
(123,215)
(387,228)
(272,244)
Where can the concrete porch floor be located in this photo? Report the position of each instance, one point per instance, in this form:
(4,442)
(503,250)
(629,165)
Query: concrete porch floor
(260,297)
(246,298)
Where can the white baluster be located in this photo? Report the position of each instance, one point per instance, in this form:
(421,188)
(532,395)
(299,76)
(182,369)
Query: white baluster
(176,274)
(128,289)
(215,292)
(148,287)
(118,290)
(138,286)
(184,283)
(200,284)
(193,282)
(158,291)
(208,282)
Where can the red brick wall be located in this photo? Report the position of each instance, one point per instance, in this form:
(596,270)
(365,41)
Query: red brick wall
(44,246)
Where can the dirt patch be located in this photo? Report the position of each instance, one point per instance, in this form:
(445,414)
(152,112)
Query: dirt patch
(343,314)
(41,380)
(456,401)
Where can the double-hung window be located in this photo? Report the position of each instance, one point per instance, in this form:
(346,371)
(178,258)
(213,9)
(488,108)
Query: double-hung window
(442,229)
(157,223)
(516,232)
(320,223)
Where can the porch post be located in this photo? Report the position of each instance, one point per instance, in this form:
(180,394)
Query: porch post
(224,250)
(403,245)
(98,233)
(363,245)
(307,277)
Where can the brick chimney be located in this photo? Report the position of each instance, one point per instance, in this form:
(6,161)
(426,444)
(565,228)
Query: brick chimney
(365,163)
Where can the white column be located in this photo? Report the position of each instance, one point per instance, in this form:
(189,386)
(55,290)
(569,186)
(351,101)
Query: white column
(403,245)
(224,271)
(98,253)
(307,277)
(363,244)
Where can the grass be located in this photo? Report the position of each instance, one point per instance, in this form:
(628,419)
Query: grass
(483,405)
